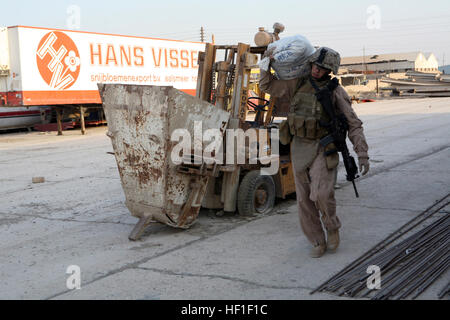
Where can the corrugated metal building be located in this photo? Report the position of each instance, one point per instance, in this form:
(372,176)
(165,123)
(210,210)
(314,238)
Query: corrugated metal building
(396,62)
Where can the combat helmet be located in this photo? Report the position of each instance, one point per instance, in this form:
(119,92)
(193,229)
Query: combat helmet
(326,58)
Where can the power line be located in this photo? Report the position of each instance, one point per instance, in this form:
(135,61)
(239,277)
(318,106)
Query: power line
(364,30)
(334,26)
(321,30)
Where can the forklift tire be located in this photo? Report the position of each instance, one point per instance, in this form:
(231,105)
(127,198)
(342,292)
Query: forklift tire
(256,194)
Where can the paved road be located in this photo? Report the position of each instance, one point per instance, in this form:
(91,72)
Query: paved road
(78,217)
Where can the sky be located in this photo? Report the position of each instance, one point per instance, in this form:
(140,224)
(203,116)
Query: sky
(351,27)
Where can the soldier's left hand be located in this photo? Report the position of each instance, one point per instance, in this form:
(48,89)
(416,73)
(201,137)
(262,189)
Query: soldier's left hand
(363,165)
(269,53)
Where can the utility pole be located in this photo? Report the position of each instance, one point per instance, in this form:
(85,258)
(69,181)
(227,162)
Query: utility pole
(443,63)
(202,34)
(364,60)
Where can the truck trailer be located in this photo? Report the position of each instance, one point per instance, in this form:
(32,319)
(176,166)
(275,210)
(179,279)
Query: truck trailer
(61,68)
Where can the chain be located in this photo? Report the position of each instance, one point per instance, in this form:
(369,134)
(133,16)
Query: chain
(230,82)
(213,87)
(230,78)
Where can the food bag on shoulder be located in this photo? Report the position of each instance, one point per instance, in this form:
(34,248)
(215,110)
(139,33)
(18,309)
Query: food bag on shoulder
(290,56)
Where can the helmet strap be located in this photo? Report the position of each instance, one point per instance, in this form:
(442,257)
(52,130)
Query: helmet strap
(322,54)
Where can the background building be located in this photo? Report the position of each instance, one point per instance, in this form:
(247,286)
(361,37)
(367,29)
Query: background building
(445,69)
(390,63)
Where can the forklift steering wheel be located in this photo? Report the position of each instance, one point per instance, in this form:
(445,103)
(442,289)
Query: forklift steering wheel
(257,106)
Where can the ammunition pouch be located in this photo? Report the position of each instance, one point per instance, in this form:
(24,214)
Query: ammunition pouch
(332,160)
(299,126)
(285,134)
(303,127)
(327,143)
(310,126)
(330,151)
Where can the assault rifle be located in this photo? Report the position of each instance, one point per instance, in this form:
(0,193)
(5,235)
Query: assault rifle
(337,130)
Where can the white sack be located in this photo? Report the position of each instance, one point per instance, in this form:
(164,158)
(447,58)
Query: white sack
(290,56)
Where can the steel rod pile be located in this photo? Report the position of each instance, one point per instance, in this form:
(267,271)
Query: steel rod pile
(420,84)
(408,267)
(445,291)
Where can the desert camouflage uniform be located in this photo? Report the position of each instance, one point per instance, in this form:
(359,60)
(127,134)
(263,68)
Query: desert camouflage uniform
(314,178)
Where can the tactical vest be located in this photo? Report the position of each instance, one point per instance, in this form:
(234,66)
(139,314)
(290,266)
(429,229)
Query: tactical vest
(306,112)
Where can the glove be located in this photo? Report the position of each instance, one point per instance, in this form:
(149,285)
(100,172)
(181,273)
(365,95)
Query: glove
(363,165)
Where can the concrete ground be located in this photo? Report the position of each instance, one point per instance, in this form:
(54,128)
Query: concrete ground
(78,217)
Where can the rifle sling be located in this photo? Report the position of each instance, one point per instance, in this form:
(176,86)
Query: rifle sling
(325,94)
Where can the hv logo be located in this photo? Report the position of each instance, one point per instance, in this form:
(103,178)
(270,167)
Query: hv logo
(58,60)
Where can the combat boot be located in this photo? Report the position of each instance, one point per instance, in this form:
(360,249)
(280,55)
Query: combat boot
(332,240)
(318,251)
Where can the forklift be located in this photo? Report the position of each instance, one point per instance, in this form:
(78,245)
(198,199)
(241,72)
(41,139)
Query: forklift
(226,84)
(159,190)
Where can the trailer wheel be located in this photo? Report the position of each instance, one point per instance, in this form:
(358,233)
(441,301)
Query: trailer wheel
(256,194)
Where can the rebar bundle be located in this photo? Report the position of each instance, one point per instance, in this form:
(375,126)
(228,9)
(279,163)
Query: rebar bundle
(408,267)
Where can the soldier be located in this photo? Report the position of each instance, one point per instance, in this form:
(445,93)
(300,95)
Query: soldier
(313,171)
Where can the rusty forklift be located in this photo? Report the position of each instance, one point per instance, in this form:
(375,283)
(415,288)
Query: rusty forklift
(141,120)
(226,84)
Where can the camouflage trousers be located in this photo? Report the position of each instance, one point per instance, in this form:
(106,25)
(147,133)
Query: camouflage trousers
(315,196)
